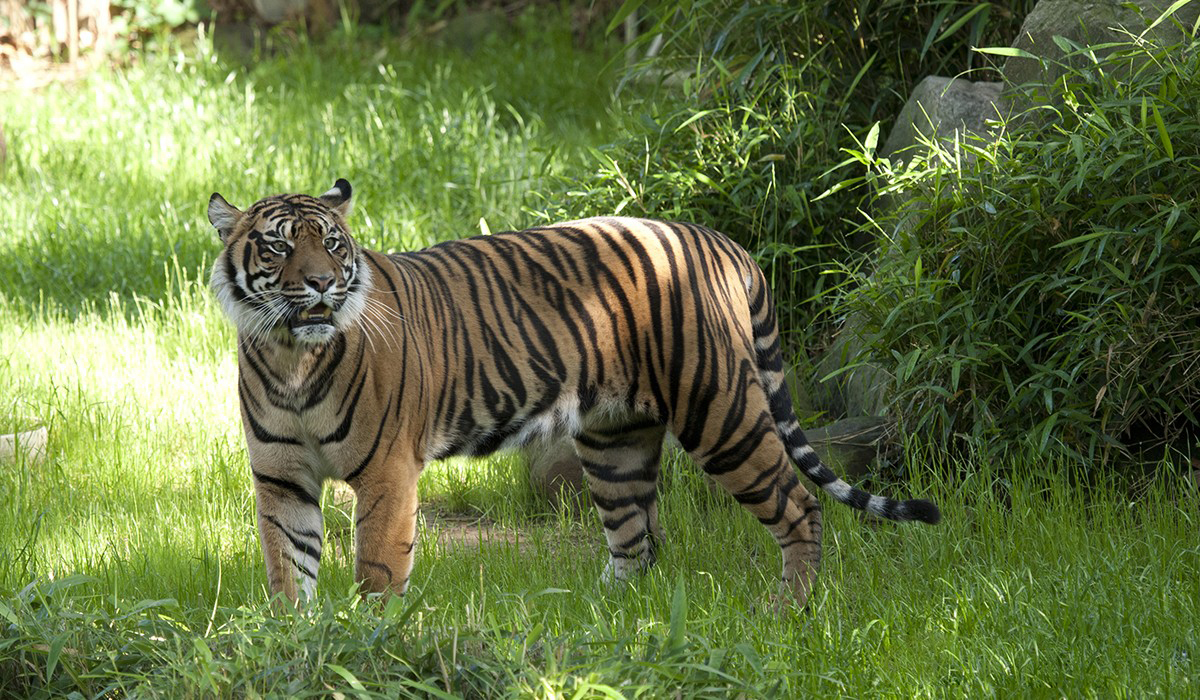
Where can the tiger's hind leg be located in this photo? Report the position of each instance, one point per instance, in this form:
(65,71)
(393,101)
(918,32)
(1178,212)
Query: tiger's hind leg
(620,461)
(742,451)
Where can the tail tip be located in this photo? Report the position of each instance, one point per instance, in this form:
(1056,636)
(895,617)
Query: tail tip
(923,510)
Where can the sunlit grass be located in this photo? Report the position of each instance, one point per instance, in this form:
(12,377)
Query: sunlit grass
(117,171)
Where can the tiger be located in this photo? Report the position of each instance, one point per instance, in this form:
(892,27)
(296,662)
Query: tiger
(361,366)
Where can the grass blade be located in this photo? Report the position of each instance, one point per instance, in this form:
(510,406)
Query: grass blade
(678,624)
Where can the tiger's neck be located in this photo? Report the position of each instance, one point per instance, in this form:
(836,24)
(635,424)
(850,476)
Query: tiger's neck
(300,373)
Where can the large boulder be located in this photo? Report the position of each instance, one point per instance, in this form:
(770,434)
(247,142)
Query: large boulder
(855,388)
(948,109)
(1088,22)
(850,445)
(942,110)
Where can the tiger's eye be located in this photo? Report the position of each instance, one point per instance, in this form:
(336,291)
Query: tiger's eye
(278,247)
(332,244)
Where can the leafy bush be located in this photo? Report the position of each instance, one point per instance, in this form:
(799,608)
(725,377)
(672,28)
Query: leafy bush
(1044,291)
(770,93)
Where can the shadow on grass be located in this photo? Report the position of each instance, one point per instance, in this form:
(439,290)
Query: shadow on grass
(77,274)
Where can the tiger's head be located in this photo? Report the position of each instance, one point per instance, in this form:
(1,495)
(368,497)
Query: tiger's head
(290,266)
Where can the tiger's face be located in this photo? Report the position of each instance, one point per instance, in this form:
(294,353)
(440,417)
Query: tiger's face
(290,266)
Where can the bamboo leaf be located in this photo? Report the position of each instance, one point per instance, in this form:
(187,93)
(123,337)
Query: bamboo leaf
(872,140)
(1010,51)
(347,676)
(958,23)
(1162,132)
(627,8)
(678,624)
(55,652)
(933,27)
(1166,13)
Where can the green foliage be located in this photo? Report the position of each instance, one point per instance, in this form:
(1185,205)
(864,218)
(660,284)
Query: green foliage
(1042,289)
(152,16)
(770,94)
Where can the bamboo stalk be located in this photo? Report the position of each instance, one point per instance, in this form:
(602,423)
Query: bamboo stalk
(73,31)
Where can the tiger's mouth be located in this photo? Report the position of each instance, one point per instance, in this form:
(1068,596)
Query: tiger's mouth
(317,315)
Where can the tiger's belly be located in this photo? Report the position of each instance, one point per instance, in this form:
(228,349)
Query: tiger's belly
(546,417)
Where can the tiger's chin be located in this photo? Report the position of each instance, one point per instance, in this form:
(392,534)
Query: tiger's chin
(314,334)
(314,325)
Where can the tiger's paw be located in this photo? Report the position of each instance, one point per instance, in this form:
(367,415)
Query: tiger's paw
(793,593)
(624,569)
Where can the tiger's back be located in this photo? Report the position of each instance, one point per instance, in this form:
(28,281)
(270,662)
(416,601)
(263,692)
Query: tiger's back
(609,330)
(533,331)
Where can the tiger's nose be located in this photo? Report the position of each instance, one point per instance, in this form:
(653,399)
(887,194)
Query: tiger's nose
(321,283)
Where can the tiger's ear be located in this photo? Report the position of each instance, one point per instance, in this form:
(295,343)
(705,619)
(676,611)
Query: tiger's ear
(222,215)
(338,198)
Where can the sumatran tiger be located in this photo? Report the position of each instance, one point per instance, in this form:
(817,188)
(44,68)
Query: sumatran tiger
(364,366)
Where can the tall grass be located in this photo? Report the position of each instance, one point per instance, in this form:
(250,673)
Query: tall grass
(1030,588)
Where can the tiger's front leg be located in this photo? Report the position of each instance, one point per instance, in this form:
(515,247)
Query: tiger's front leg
(385,521)
(290,531)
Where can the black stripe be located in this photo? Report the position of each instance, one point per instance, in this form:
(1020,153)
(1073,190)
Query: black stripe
(629,543)
(305,570)
(291,487)
(735,455)
(260,433)
(781,502)
(361,518)
(344,429)
(614,475)
(319,387)
(300,545)
(374,446)
(616,523)
(381,566)
(616,502)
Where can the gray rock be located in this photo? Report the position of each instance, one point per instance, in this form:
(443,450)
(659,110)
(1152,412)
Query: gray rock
(858,391)
(33,445)
(950,111)
(276,11)
(470,30)
(318,15)
(947,108)
(1087,22)
(850,445)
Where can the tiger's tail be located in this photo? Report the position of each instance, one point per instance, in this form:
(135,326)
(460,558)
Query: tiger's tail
(769,358)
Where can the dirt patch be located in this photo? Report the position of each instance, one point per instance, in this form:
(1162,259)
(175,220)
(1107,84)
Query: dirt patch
(469,531)
(452,530)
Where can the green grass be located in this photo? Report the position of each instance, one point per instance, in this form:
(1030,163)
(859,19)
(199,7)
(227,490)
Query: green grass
(131,563)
